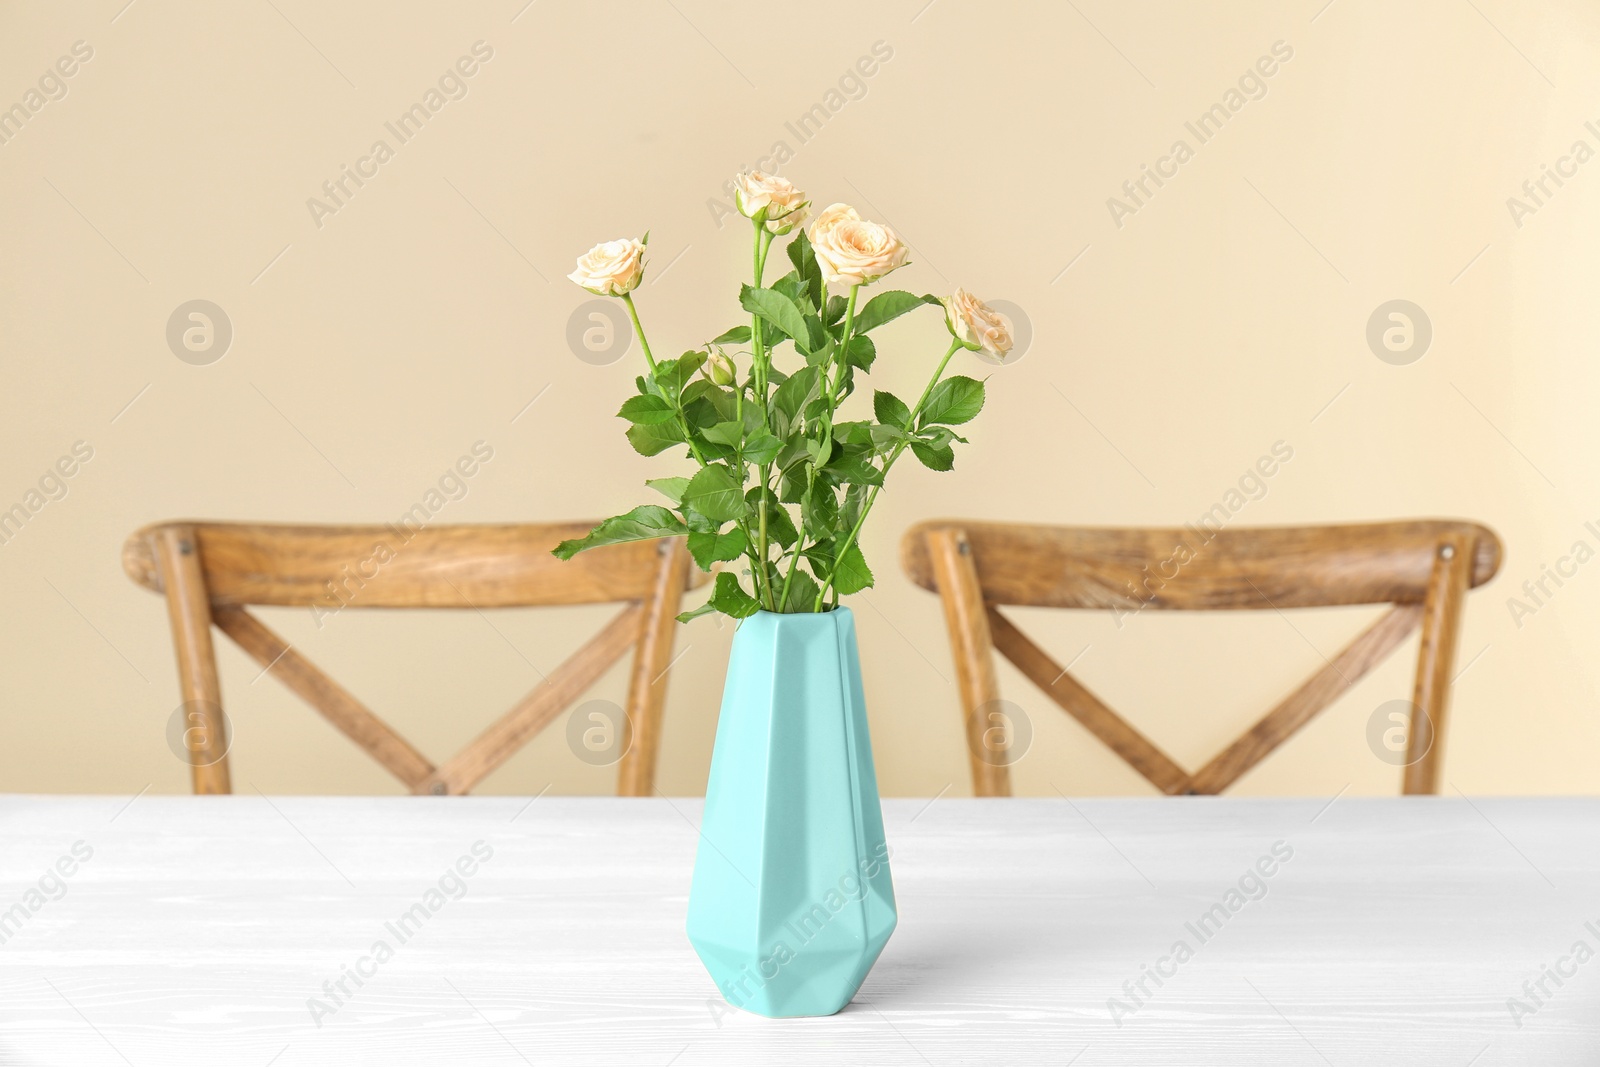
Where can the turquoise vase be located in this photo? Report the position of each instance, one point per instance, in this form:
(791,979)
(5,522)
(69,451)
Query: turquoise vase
(791,901)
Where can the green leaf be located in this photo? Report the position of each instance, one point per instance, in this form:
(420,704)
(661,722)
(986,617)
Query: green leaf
(952,402)
(792,286)
(856,434)
(780,527)
(885,436)
(646,410)
(709,548)
(774,307)
(724,433)
(715,493)
(729,597)
(713,394)
(847,384)
(837,305)
(705,407)
(934,457)
(712,452)
(821,353)
(792,489)
(891,410)
(648,439)
(704,609)
(803,592)
(671,488)
(641,524)
(816,339)
(820,511)
(860,352)
(673,374)
(854,499)
(793,454)
(761,449)
(854,468)
(805,264)
(794,394)
(939,435)
(698,523)
(739,335)
(887,306)
(850,575)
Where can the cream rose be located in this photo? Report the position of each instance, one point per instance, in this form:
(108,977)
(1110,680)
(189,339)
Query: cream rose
(613,268)
(754,191)
(851,251)
(831,216)
(794,219)
(976,325)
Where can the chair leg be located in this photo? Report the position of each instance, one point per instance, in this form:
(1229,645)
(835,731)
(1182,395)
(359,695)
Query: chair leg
(1441,623)
(647,689)
(972,648)
(205,736)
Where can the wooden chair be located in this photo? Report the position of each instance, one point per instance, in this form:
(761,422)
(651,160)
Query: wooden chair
(1422,568)
(209,573)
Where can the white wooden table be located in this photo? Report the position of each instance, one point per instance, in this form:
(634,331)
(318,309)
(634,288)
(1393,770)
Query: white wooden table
(1396,933)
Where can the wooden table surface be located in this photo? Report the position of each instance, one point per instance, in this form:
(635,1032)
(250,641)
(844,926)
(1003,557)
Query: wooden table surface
(216,930)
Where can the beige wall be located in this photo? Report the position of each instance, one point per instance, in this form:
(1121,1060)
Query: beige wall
(370,351)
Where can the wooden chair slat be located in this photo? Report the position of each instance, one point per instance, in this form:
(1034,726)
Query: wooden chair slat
(951,559)
(1441,624)
(533,712)
(189,611)
(347,714)
(1300,707)
(1193,569)
(400,567)
(1076,700)
(647,685)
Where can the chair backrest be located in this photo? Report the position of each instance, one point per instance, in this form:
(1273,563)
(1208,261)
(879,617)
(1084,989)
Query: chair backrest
(210,572)
(1422,568)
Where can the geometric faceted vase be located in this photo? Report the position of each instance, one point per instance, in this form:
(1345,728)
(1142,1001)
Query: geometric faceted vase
(792,901)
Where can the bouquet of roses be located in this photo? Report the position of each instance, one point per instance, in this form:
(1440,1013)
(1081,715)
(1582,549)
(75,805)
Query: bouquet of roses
(781,482)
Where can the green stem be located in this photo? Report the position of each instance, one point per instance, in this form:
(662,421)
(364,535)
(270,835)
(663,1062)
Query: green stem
(844,344)
(855,531)
(763,241)
(955,346)
(831,389)
(677,406)
(758,342)
(633,313)
(794,561)
(799,543)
